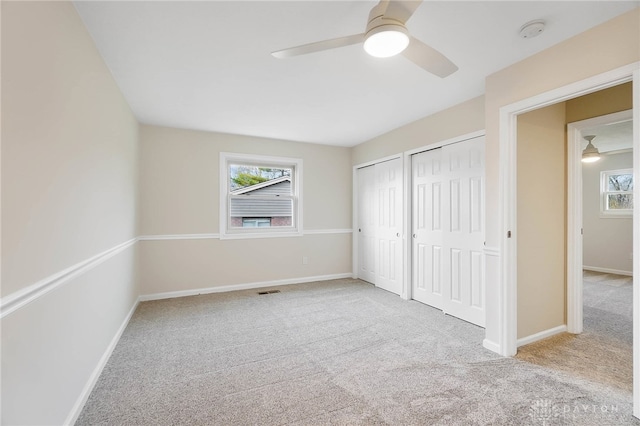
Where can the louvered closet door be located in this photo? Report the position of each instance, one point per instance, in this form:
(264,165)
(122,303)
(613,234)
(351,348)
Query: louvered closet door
(448,229)
(427,250)
(389,225)
(366,224)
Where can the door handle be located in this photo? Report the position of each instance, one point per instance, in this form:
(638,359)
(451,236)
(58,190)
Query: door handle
(414,235)
(398,235)
(359,229)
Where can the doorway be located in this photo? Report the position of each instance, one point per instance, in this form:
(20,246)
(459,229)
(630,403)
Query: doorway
(599,238)
(601,347)
(507,304)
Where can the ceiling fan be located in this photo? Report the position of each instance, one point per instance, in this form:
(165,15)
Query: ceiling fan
(385,35)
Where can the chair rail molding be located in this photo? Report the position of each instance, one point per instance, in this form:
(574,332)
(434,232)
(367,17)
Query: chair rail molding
(212,236)
(20,298)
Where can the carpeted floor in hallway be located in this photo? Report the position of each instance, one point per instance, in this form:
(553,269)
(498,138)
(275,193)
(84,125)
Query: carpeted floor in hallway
(603,353)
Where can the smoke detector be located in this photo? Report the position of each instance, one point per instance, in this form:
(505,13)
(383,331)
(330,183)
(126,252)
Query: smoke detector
(532,29)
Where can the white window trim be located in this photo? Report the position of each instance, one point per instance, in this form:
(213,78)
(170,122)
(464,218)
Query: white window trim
(295,230)
(618,213)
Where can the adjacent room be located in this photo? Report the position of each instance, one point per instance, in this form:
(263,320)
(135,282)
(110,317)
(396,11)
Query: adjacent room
(600,343)
(311,212)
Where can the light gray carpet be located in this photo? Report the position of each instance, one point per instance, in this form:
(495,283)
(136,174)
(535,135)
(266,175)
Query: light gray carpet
(337,352)
(603,353)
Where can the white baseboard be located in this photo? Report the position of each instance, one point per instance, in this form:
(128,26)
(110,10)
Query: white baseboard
(607,270)
(542,335)
(492,346)
(93,379)
(246,286)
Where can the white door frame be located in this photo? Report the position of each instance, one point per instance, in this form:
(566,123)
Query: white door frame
(574,213)
(507,300)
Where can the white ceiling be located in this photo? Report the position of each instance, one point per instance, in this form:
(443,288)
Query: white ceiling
(207,65)
(611,137)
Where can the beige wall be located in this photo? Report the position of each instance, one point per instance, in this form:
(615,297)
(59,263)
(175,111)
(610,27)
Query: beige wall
(182,265)
(179,178)
(69,173)
(541,220)
(467,117)
(608,101)
(606,47)
(179,194)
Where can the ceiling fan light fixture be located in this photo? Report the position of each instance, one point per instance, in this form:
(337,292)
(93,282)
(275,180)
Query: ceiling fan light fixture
(386,40)
(590,153)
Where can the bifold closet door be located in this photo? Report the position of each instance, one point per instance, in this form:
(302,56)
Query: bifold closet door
(427,210)
(389,225)
(448,229)
(380,260)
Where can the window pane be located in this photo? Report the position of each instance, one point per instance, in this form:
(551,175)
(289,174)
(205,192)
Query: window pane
(623,182)
(620,202)
(245,176)
(252,212)
(256,222)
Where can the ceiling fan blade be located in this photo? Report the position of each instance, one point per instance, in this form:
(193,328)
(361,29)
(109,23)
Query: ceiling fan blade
(319,46)
(401,10)
(428,58)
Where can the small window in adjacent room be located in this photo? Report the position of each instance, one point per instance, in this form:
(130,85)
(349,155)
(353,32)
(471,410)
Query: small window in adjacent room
(259,196)
(616,192)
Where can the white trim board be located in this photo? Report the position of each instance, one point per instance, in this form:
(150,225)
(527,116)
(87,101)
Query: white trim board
(164,237)
(377,161)
(542,335)
(179,237)
(450,141)
(492,346)
(327,231)
(636,244)
(607,270)
(20,298)
(93,379)
(244,286)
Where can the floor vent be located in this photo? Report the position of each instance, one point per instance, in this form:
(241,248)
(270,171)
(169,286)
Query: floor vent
(269,292)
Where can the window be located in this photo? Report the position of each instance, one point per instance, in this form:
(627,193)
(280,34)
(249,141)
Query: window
(259,196)
(616,192)
(259,222)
